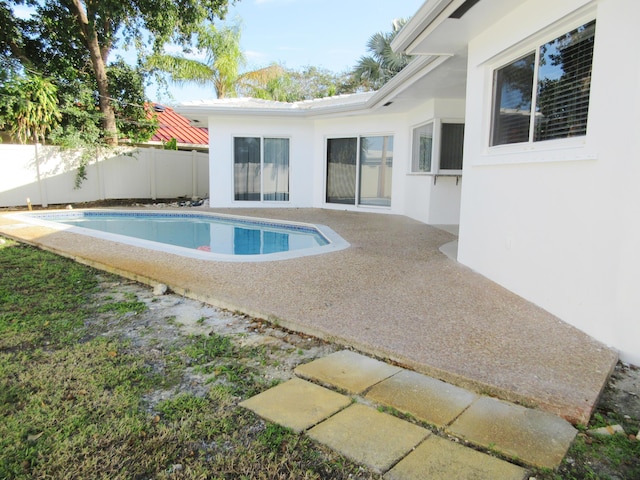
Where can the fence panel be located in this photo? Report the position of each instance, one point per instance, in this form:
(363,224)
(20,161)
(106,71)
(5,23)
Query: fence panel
(47,175)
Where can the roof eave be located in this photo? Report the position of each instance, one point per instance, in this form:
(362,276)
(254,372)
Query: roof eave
(422,19)
(204,111)
(414,71)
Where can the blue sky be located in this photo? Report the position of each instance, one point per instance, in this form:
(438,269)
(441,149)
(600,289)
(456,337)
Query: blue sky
(296,33)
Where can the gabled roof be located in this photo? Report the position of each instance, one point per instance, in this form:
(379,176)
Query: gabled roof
(174,125)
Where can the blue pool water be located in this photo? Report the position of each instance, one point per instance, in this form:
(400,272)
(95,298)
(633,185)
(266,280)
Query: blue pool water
(209,236)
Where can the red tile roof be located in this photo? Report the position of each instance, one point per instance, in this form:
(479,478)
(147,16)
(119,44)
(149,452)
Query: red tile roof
(173,125)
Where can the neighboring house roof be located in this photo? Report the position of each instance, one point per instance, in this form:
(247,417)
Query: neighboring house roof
(174,125)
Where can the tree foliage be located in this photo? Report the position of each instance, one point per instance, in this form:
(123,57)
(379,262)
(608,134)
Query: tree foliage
(30,107)
(305,84)
(221,66)
(382,64)
(71,41)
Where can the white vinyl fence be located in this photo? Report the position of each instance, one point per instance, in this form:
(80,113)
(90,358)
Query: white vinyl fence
(47,175)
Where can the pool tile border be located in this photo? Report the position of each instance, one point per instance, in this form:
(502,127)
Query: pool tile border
(334,241)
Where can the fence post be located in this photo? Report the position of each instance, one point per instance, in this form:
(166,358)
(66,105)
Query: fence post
(42,189)
(152,173)
(99,180)
(194,174)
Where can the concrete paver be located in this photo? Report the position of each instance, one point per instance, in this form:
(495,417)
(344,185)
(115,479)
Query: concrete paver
(348,371)
(296,404)
(440,459)
(532,436)
(369,437)
(426,398)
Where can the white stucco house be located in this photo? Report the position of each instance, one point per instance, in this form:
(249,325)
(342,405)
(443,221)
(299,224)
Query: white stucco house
(518,120)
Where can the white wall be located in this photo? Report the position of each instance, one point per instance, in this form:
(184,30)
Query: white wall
(221,133)
(559,224)
(147,173)
(362,125)
(417,196)
(432,200)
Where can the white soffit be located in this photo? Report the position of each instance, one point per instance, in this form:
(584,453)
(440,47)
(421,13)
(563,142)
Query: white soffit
(429,33)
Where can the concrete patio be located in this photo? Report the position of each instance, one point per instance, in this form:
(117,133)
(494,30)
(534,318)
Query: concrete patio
(392,295)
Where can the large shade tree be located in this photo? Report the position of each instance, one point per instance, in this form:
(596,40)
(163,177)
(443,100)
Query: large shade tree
(76,37)
(222,64)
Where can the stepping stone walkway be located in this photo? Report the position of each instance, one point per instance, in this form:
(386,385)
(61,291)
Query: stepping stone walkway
(334,400)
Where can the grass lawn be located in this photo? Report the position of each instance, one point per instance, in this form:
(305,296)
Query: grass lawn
(95,383)
(75,395)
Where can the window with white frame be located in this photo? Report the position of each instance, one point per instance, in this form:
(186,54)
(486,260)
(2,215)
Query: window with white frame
(261,169)
(544,95)
(437,140)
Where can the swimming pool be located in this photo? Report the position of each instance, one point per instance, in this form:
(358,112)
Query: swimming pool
(200,235)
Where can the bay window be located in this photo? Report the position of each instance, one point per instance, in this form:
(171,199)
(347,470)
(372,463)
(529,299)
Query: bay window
(437,148)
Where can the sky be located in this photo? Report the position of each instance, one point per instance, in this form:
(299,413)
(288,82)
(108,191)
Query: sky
(331,34)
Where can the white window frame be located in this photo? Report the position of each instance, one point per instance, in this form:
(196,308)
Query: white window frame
(554,150)
(233,179)
(436,147)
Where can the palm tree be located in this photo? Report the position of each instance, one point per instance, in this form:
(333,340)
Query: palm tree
(373,71)
(221,67)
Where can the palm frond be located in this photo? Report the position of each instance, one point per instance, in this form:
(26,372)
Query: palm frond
(262,75)
(182,70)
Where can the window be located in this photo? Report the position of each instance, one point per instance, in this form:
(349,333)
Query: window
(451,143)
(544,95)
(359,170)
(261,169)
(422,148)
(446,147)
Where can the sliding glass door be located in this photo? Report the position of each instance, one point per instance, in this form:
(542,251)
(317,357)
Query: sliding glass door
(359,170)
(342,155)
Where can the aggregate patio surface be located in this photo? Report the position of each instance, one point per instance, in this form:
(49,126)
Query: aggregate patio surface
(393,295)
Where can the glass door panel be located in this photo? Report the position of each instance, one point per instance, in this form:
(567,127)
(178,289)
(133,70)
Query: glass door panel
(341,170)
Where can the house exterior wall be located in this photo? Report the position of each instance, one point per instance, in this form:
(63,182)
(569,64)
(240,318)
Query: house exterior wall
(559,223)
(432,200)
(223,129)
(413,195)
(364,125)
